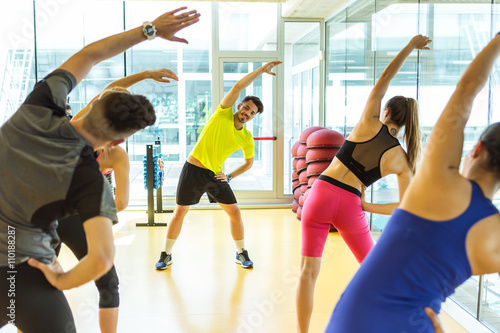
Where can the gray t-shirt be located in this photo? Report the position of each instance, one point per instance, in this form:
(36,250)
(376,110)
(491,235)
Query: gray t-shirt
(48,171)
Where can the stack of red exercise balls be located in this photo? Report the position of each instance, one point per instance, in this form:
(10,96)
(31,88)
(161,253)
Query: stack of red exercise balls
(312,154)
(299,173)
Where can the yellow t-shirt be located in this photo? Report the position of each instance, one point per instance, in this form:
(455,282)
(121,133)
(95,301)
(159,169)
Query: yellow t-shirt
(220,139)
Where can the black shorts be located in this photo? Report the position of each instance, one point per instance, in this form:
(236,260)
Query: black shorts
(31,302)
(194,181)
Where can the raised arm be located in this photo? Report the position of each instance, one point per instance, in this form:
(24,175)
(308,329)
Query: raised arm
(121,168)
(167,25)
(372,108)
(159,75)
(443,152)
(235,91)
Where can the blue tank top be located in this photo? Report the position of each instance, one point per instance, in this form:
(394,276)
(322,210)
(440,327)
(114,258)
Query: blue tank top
(363,158)
(416,263)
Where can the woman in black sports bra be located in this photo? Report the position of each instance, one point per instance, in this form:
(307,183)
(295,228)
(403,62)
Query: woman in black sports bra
(370,152)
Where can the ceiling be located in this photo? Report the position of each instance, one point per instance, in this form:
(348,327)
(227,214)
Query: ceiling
(311,8)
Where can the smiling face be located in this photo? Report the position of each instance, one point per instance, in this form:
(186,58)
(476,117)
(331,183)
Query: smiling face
(246,111)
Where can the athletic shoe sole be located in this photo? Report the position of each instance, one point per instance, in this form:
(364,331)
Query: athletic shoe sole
(244,266)
(162,268)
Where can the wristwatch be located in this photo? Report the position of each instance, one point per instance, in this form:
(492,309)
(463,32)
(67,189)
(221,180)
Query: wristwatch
(228,176)
(149,30)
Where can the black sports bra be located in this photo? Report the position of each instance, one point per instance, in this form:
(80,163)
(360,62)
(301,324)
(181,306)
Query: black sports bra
(363,158)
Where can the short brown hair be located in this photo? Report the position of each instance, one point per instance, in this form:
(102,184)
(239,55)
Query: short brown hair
(256,101)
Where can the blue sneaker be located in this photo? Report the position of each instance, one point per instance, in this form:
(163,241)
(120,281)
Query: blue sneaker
(164,262)
(243,259)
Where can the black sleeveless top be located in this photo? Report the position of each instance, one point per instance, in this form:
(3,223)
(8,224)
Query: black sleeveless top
(363,158)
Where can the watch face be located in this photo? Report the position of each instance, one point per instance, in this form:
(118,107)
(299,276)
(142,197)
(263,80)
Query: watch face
(148,30)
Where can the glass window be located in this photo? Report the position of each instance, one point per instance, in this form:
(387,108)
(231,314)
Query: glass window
(247,26)
(52,52)
(336,73)
(302,104)
(181,107)
(17,59)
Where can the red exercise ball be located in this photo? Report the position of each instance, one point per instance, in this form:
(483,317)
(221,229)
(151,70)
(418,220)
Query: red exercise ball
(295,175)
(325,138)
(302,150)
(303,177)
(303,188)
(296,193)
(299,213)
(295,205)
(301,165)
(301,200)
(294,148)
(316,168)
(308,131)
(295,183)
(320,154)
(294,163)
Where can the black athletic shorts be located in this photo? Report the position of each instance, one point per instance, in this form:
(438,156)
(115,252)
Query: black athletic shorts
(31,303)
(194,181)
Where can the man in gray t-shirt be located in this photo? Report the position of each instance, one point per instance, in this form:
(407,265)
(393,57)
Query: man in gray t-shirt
(49,171)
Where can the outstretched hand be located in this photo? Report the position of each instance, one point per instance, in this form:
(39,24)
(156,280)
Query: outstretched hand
(269,66)
(435,322)
(159,75)
(420,42)
(51,271)
(168,24)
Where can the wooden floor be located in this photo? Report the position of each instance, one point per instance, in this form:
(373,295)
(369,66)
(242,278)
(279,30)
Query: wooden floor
(204,291)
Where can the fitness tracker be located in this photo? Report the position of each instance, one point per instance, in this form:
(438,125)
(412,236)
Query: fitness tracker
(149,30)
(228,176)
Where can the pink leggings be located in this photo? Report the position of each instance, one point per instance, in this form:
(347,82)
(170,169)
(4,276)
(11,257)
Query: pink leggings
(328,203)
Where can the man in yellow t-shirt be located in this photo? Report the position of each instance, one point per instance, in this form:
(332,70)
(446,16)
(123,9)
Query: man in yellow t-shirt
(224,134)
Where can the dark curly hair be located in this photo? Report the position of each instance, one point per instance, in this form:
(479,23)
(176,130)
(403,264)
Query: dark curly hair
(117,115)
(126,112)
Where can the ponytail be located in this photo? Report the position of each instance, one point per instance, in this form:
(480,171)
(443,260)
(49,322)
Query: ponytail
(412,134)
(404,112)
(491,140)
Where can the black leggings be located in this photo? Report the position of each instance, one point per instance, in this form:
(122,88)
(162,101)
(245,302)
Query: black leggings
(72,234)
(36,306)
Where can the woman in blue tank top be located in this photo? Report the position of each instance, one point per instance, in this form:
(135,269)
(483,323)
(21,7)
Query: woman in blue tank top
(445,229)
